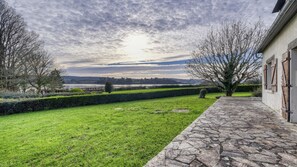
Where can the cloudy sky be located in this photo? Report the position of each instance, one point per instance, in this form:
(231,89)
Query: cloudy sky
(131,38)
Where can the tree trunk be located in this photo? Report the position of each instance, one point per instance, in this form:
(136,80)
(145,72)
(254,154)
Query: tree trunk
(229,93)
(39,89)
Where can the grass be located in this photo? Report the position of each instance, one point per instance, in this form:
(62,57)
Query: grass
(119,134)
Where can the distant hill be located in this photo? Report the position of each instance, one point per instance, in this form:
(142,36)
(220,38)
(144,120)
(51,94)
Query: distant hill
(188,81)
(119,81)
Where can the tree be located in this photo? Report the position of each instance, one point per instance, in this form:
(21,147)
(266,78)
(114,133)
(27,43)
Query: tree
(12,30)
(55,80)
(39,68)
(16,43)
(108,87)
(228,56)
(23,61)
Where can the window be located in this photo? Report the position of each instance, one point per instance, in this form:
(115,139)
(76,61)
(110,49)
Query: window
(270,74)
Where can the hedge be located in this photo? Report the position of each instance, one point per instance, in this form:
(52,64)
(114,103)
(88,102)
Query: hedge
(7,108)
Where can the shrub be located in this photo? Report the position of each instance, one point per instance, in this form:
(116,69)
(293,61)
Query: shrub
(64,94)
(17,95)
(247,88)
(202,94)
(77,90)
(257,92)
(108,87)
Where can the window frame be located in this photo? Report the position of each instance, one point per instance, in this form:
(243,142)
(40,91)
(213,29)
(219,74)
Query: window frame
(269,72)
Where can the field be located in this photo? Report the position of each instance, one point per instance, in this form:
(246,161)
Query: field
(118,134)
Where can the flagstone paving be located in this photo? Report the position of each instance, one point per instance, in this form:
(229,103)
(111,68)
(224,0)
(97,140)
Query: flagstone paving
(233,132)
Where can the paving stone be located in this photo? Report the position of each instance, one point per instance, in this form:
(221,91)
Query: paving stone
(244,161)
(197,143)
(233,154)
(173,163)
(233,132)
(229,146)
(262,158)
(190,151)
(185,158)
(226,158)
(196,163)
(209,157)
(184,145)
(173,145)
(288,160)
(197,135)
(238,164)
(268,153)
(172,154)
(249,149)
(271,165)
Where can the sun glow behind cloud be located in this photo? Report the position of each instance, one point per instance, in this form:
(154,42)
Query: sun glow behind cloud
(135,46)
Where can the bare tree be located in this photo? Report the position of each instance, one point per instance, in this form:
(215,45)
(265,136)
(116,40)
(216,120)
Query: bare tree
(23,60)
(39,66)
(31,45)
(12,30)
(227,56)
(15,44)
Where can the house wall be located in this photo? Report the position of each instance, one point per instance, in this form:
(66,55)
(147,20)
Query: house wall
(277,48)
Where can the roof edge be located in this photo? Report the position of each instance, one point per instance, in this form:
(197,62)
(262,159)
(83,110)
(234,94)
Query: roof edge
(279,5)
(287,13)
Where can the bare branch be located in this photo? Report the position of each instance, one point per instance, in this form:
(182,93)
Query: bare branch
(227,56)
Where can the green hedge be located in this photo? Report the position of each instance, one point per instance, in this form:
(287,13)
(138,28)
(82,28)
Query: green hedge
(247,88)
(65,102)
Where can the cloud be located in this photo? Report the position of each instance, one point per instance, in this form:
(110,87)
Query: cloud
(135,71)
(81,33)
(162,63)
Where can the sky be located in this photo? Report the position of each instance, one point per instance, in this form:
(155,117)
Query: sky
(131,38)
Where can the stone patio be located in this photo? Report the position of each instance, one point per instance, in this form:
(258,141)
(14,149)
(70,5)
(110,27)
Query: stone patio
(233,132)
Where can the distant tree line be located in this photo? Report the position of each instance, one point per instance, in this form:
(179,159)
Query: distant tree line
(117,81)
(139,81)
(24,63)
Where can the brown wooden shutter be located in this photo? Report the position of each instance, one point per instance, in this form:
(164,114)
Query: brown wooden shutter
(265,76)
(274,76)
(286,86)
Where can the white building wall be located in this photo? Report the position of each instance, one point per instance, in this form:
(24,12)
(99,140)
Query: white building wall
(277,48)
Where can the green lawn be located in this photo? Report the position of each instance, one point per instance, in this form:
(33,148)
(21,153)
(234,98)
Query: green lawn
(119,134)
